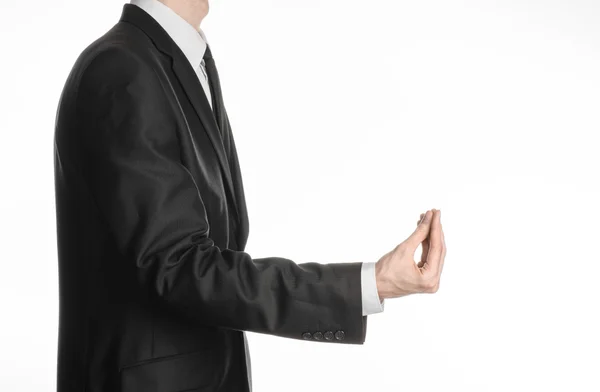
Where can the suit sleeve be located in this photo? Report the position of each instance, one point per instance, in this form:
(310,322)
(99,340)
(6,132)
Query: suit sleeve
(154,210)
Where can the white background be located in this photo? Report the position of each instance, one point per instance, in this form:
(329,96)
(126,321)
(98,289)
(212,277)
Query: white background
(351,118)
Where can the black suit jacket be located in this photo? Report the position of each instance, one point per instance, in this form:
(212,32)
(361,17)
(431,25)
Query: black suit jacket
(155,287)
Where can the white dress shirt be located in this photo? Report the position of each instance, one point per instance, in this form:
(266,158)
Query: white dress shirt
(192,43)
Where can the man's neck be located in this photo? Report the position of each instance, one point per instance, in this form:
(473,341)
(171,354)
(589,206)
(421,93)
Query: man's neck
(193,11)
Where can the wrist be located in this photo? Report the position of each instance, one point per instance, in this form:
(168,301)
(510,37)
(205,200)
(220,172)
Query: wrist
(383,284)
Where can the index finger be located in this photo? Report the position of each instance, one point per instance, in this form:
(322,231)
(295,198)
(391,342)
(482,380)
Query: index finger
(434,255)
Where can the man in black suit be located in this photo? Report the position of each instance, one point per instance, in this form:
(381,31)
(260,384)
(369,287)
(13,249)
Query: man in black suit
(156,290)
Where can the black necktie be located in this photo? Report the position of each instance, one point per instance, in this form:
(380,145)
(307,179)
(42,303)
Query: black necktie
(218,111)
(215,86)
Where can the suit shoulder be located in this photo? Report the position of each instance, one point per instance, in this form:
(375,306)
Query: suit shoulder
(123,52)
(123,60)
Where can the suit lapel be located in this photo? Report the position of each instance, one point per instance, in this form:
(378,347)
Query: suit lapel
(194,92)
(188,80)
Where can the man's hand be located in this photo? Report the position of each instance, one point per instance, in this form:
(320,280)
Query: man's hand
(397,274)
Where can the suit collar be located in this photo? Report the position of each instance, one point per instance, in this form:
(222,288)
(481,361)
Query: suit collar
(191,40)
(188,79)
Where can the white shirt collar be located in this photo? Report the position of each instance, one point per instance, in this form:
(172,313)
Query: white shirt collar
(192,42)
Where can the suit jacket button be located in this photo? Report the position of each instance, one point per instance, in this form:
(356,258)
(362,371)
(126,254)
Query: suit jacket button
(328,335)
(306,335)
(339,335)
(318,336)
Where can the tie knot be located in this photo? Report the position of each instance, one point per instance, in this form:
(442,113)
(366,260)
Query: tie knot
(207,53)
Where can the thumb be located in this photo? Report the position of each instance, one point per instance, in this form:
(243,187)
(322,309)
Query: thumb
(422,231)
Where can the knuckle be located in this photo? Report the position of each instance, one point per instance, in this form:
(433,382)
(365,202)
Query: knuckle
(428,285)
(432,286)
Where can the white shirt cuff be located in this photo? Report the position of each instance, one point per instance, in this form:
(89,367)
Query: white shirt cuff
(370,297)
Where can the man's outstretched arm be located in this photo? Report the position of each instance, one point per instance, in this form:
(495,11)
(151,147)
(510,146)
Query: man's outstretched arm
(151,205)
